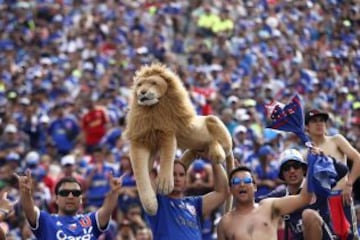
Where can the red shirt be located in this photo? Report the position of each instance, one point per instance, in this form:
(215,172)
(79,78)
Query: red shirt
(94,126)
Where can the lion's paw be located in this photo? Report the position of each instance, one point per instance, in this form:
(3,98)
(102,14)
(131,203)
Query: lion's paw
(164,184)
(150,205)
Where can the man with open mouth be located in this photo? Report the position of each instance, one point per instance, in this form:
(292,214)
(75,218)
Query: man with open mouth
(250,220)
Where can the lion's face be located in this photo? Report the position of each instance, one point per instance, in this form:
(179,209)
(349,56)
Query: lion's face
(149,90)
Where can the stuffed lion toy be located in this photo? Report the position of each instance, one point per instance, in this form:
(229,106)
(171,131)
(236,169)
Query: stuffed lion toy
(162,119)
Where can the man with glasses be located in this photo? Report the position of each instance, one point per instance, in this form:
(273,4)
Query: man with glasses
(67,223)
(310,222)
(249,220)
(339,148)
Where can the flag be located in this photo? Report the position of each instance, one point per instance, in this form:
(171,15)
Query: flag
(289,118)
(321,173)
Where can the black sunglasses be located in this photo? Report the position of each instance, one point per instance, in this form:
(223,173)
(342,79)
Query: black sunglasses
(294,165)
(66,192)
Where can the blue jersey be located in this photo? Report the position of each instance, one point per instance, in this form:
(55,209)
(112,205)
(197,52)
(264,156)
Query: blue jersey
(271,174)
(177,219)
(81,227)
(99,185)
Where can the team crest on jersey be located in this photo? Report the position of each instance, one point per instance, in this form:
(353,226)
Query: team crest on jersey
(85,222)
(191,209)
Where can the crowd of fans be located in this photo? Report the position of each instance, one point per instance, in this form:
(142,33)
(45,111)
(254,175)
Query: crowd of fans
(66,69)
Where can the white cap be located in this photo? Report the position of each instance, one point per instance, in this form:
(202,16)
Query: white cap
(344,90)
(45,61)
(13,156)
(241,114)
(32,158)
(44,119)
(240,129)
(291,154)
(25,101)
(10,128)
(68,160)
(233,99)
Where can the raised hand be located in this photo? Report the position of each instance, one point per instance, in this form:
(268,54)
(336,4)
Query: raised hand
(6,206)
(116,183)
(25,182)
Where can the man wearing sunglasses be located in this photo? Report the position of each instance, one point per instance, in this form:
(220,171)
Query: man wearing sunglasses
(68,223)
(310,222)
(249,220)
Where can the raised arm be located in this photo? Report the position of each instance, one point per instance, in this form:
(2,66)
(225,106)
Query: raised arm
(110,202)
(353,155)
(290,203)
(221,190)
(26,200)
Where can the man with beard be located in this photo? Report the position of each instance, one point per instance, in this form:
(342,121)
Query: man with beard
(68,223)
(249,220)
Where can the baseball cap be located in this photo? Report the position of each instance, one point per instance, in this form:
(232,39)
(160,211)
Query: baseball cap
(240,129)
(10,128)
(290,155)
(68,160)
(233,99)
(32,158)
(44,119)
(199,165)
(266,150)
(13,156)
(314,113)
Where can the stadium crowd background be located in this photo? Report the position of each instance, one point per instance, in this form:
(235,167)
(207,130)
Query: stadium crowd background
(61,60)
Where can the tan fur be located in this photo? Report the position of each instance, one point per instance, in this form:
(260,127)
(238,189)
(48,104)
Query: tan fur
(168,123)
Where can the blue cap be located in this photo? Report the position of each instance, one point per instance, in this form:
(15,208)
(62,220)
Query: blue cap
(265,150)
(199,165)
(38,173)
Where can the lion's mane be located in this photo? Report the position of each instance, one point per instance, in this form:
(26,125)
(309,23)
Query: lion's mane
(173,112)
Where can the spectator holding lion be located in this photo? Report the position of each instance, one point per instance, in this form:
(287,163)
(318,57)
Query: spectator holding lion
(179,217)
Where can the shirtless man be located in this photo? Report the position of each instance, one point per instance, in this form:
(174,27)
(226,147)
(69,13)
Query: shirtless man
(335,146)
(339,148)
(249,220)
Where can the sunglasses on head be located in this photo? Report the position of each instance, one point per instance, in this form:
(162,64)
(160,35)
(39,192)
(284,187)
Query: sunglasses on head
(294,165)
(66,192)
(237,180)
